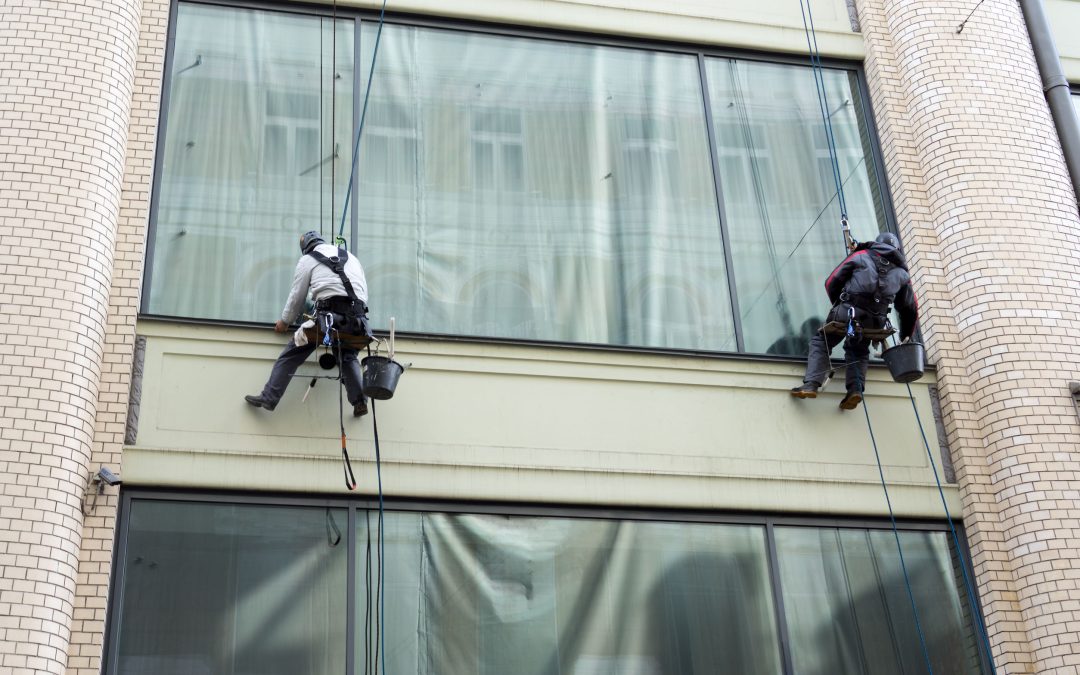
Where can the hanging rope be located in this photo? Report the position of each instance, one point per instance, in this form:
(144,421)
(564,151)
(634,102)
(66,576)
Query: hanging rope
(350,480)
(899,548)
(363,117)
(976,615)
(850,244)
(826,118)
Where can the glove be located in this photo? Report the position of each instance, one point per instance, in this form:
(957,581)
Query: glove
(300,336)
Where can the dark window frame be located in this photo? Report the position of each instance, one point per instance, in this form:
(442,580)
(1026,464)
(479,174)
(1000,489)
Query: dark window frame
(766,521)
(697,50)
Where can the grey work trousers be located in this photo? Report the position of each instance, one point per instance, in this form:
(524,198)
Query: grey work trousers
(856,356)
(290,359)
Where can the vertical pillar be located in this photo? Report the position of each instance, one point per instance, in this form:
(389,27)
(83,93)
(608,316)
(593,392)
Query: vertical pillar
(66,79)
(988,212)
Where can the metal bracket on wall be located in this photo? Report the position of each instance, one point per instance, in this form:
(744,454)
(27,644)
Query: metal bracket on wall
(1074,393)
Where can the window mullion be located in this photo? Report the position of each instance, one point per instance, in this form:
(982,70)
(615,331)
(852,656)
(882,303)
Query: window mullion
(729,265)
(778,598)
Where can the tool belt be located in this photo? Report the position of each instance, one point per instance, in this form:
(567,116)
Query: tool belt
(347,322)
(867,325)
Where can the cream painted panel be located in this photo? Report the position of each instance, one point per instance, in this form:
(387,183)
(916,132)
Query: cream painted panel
(1064,16)
(769,25)
(475,421)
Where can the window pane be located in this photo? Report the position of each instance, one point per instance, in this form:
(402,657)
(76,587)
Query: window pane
(224,589)
(848,609)
(547,168)
(491,595)
(779,192)
(253,143)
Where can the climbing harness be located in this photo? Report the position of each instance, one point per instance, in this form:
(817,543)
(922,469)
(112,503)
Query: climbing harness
(354,329)
(875,305)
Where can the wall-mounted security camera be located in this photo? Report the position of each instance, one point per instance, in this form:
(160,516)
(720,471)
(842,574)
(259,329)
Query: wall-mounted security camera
(105,476)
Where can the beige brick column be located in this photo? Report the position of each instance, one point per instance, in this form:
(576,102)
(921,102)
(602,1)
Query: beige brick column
(989,217)
(95,559)
(66,79)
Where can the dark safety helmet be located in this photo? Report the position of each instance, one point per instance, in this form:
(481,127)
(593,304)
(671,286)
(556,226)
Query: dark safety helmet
(889,239)
(309,240)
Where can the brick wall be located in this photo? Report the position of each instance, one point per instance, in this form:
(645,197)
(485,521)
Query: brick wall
(66,77)
(95,557)
(989,217)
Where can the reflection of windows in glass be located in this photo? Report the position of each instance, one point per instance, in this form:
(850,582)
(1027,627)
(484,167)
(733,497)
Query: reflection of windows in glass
(220,588)
(489,153)
(651,156)
(240,158)
(390,133)
(779,194)
(498,149)
(291,135)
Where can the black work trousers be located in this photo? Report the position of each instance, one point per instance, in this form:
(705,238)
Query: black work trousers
(291,358)
(856,356)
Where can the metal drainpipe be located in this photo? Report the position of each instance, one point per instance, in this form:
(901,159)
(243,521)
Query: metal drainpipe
(1055,86)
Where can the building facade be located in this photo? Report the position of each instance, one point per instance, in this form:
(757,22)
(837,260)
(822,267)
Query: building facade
(600,228)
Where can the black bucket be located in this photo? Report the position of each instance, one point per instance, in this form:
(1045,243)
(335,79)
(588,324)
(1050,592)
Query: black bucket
(380,376)
(906,361)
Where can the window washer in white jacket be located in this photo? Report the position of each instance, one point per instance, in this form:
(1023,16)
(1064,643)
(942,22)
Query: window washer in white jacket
(336,282)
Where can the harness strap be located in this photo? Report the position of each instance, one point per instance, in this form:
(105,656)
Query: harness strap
(337,265)
(876,303)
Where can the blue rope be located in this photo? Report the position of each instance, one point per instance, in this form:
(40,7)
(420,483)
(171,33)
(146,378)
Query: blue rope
(381,581)
(363,116)
(823,102)
(899,549)
(980,626)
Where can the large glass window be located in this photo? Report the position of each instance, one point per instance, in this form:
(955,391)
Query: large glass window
(494,595)
(225,589)
(508,187)
(848,609)
(557,186)
(256,152)
(779,193)
(247,588)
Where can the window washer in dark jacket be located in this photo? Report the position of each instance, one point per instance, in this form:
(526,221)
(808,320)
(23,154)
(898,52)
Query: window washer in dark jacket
(341,291)
(861,289)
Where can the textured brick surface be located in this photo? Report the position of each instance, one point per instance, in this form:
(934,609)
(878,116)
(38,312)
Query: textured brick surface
(87,631)
(66,79)
(989,218)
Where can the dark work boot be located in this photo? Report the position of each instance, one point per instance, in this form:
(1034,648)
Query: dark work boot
(260,402)
(806,390)
(851,401)
(360,409)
